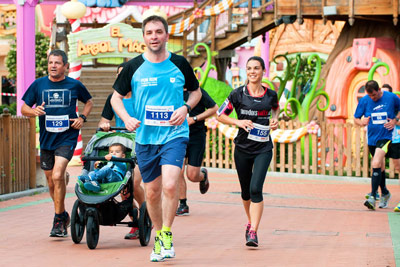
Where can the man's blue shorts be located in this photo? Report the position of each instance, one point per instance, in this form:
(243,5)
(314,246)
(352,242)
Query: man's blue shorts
(151,157)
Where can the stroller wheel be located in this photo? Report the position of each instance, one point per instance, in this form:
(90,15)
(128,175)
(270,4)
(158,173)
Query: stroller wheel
(92,230)
(77,222)
(145,225)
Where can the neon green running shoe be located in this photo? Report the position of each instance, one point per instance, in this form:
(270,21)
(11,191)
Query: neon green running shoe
(156,253)
(376,196)
(370,203)
(397,208)
(167,249)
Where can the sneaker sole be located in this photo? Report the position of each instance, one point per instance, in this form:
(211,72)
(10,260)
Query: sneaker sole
(58,235)
(368,205)
(183,214)
(158,259)
(131,237)
(169,256)
(251,244)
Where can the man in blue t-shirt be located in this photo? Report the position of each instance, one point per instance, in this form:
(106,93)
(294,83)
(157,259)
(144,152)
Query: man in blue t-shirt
(378,110)
(55,97)
(156,79)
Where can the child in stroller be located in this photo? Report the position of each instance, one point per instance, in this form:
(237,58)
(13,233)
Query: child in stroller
(93,209)
(113,171)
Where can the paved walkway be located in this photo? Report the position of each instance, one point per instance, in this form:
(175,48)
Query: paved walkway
(308,221)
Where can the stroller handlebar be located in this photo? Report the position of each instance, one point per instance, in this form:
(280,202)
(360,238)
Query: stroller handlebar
(131,161)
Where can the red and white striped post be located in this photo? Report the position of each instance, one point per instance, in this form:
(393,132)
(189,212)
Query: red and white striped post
(74,10)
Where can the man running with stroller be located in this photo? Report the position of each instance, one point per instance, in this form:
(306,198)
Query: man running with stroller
(156,79)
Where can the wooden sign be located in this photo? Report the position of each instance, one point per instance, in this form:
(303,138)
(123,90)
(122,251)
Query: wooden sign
(113,40)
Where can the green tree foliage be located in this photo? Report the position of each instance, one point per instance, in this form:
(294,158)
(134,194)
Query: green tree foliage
(218,91)
(307,70)
(11,108)
(42,45)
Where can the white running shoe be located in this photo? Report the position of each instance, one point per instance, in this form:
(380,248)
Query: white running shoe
(156,255)
(384,202)
(370,203)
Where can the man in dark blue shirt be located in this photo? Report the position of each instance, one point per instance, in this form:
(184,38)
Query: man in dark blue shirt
(378,110)
(55,97)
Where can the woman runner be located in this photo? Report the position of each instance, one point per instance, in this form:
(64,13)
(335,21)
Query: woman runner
(257,109)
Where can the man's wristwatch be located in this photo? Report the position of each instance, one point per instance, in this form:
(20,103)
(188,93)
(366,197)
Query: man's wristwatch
(83,117)
(188,107)
(195,118)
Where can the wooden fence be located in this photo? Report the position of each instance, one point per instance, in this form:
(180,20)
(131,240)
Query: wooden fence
(340,150)
(17,153)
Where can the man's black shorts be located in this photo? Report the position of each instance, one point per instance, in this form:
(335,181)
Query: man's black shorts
(47,156)
(379,144)
(195,149)
(393,151)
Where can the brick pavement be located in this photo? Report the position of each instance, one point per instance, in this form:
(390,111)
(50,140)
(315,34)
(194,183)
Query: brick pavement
(307,221)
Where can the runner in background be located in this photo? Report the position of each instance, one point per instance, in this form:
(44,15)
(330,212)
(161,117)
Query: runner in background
(55,97)
(378,110)
(195,149)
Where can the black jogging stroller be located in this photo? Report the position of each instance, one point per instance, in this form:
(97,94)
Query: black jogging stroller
(94,209)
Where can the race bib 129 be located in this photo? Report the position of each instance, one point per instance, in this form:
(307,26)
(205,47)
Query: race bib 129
(57,124)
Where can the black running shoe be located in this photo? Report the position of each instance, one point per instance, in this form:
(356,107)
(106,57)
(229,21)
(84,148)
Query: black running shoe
(58,228)
(252,240)
(67,222)
(205,184)
(248,226)
(182,210)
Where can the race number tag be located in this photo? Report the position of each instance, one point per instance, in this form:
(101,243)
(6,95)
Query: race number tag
(379,117)
(158,115)
(57,124)
(259,133)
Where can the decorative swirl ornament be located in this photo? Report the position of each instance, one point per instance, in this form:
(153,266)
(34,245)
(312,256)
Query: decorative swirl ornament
(375,66)
(283,82)
(270,84)
(209,66)
(302,109)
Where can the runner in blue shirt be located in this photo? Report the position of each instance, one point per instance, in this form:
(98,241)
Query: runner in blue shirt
(393,150)
(378,111)
(55,97)
(156,80)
